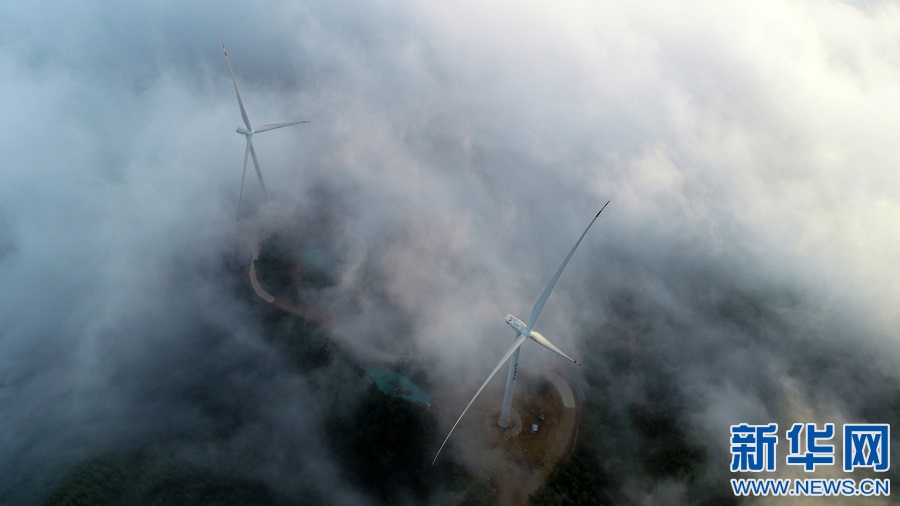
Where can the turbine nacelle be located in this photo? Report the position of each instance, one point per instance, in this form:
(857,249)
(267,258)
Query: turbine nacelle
(243,131)
(516,324)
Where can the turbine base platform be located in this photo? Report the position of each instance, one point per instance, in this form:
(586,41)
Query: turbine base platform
(515,423)
(522,457)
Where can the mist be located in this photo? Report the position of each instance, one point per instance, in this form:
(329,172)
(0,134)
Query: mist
(742,272)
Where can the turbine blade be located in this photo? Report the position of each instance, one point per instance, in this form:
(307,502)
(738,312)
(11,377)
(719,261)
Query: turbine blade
(243,174)
(546,295)
(266,128)
(543,341)
(238,93)
(256,164)
(509,352)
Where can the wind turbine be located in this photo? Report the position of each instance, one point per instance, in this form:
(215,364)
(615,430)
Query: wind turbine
(523,331)
(248,133)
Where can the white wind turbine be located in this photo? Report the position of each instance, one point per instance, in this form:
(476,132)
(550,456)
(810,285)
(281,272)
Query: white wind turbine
(248,133)
(523,331)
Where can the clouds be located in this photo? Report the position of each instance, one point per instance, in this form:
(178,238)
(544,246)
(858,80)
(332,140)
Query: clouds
(455,153)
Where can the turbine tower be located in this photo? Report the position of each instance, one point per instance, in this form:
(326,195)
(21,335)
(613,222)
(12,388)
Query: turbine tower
(523,331)
(248,133)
